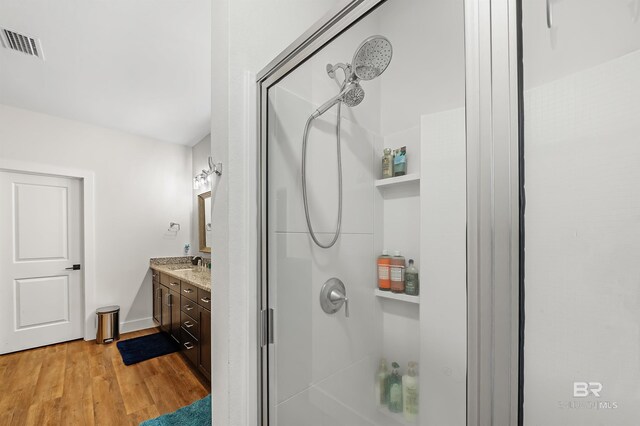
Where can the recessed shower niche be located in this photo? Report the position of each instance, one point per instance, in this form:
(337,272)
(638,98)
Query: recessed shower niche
(394,79)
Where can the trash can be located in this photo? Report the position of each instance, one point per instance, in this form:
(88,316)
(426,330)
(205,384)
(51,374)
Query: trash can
(108,324)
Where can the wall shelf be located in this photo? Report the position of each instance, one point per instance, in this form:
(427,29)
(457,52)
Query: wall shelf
(399,187)
(397,296)
(398,418)
(410,179)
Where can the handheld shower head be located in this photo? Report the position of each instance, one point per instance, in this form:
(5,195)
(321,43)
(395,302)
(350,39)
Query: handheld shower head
(351,96)
(372,57)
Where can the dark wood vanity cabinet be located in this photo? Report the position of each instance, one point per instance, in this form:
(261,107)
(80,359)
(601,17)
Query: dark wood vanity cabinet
(204,350)
(184,312)
(157,299)
(165,309)
(174,298)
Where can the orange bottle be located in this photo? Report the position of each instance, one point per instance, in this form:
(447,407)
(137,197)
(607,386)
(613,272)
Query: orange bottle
(384,278)
(396,271)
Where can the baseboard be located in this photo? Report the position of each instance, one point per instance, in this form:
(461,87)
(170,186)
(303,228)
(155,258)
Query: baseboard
(135,325)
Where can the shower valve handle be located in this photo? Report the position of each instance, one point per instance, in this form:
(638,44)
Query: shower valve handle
(333,295)
(336,296)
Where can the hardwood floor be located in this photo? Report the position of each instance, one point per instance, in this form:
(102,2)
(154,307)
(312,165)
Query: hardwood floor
(81,383)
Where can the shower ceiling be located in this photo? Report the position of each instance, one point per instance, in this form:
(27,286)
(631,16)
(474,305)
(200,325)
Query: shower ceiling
(138,66)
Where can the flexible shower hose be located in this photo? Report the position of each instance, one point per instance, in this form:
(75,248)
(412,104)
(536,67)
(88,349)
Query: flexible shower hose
(304,182)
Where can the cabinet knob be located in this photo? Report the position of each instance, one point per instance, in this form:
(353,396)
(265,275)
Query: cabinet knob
(188,345)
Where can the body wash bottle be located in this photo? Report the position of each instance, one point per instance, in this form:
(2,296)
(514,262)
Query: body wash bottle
(410,393)
(381,383)
(394,385)
(411,283)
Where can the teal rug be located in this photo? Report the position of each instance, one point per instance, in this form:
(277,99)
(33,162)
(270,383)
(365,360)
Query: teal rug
(196,414)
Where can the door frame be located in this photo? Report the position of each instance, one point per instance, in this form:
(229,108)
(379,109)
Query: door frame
(493,72)
(88,227)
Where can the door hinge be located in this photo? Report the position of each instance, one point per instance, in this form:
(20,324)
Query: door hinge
(265,327)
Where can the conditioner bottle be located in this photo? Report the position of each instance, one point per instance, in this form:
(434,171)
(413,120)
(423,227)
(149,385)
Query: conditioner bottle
(410,393)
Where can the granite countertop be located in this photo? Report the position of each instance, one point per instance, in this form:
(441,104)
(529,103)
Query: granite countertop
(182,269)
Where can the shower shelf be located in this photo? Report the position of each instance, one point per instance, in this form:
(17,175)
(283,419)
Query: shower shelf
(412,178)
(397,296)
(398,418)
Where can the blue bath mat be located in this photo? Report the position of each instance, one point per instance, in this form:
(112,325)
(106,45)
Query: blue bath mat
(196,414)
(146,347)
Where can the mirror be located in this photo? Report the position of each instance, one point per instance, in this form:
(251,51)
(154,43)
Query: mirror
(204,221)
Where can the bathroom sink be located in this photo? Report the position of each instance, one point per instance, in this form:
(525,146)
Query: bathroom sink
(181,268)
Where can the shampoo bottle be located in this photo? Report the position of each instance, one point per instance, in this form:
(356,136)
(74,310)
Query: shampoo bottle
(397,272)
(387,164)
(384,281)
(410,393)
(411,283)
(381,383)
(394,385)
(400,162)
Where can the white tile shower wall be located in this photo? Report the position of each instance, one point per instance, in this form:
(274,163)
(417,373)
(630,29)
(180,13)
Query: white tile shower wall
(443,337)
(582,151)
(286,127)
(427,71)
(317,352)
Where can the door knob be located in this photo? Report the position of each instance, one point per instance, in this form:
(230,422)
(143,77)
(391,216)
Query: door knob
(333,295)
(73,268)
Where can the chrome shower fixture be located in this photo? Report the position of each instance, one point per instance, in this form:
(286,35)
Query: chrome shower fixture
(370,60)
(351,96)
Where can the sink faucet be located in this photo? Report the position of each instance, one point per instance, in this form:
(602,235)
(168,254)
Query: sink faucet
(195,260)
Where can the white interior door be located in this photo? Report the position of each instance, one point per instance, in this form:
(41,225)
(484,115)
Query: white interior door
(40,237)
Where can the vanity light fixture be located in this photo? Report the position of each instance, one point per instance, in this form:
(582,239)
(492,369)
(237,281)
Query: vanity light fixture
(204,178)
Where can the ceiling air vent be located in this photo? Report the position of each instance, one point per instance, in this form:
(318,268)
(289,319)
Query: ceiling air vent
(21,43)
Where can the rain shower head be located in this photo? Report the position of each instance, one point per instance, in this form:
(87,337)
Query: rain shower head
(372,57)
(351,96)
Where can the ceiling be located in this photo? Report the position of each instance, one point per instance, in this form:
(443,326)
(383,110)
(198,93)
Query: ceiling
(139,66)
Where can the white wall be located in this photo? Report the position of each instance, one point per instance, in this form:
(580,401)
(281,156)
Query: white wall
(199,161)
(246,35)
(582,152)
(140,186)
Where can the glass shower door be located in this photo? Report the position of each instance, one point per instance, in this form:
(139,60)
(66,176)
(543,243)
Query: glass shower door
(395,79)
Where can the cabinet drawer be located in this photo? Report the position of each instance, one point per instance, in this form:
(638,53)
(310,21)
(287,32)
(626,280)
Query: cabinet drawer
(204,298)
(190,291)
(189,347)
(189,324)
(173,284)
(188,306)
